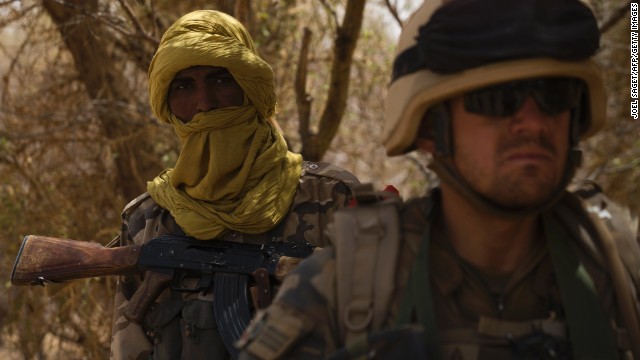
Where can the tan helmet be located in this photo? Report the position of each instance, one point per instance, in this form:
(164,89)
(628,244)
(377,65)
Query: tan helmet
(411,94)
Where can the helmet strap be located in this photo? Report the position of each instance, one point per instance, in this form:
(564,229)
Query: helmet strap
(442,164)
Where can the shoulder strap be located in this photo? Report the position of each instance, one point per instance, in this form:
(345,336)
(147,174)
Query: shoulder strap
(128,209)
(135,202)
(589,328)
(615,233)
(332,171)
(417,304)
(367,238)
(619,221)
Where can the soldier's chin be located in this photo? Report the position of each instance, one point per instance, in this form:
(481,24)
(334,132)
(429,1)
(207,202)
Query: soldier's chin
(522,201)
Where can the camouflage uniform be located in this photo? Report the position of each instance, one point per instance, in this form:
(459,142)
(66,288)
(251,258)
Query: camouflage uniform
(183,326)
(478,316)
(459,63)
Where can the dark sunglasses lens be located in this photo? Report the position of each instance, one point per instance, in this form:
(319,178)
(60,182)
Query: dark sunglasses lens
(553,95)
(500,100)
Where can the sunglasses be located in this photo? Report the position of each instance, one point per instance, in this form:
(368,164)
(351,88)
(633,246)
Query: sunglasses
(552,94)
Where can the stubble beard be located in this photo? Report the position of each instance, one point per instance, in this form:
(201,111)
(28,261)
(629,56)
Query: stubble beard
(526,186)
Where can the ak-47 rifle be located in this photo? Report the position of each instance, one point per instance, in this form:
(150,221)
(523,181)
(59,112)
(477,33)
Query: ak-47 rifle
(167,260)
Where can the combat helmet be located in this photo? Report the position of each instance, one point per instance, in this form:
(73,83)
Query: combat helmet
(450,47)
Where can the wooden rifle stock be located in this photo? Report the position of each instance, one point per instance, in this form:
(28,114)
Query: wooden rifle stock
(164,261)
(43,259)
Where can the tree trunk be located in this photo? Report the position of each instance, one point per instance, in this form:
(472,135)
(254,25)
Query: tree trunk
(314,146)
(134,162)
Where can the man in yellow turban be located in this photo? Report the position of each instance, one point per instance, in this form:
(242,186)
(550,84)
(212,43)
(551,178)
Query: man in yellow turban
(234,180)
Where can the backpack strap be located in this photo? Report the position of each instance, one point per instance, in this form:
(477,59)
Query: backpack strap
(615,230)
(417,302)
(589,328)
(367,238)
(619,221)
(627,303)
(329,170)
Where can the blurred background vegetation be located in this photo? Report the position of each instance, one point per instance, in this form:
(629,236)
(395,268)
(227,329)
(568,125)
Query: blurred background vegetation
(78,141)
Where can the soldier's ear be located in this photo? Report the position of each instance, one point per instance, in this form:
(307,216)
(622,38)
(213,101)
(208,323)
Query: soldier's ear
(426,144)
(425,138)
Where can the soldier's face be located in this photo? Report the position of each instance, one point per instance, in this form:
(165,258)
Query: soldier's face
(516,160)
(200,89)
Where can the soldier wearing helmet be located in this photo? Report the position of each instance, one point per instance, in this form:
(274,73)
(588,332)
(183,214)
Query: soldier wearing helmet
(500,261)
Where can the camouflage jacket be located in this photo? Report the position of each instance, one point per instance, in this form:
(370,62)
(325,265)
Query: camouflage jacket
(182,325)
(473,319)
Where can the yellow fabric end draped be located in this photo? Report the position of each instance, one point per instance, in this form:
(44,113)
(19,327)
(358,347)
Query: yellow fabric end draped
(234,171)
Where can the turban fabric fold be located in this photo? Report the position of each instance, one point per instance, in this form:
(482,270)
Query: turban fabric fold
(234,171)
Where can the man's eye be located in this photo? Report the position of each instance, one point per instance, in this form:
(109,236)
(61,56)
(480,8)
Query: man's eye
(223,79)
(178,86)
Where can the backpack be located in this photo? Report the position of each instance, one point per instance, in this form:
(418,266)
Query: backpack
(367,239)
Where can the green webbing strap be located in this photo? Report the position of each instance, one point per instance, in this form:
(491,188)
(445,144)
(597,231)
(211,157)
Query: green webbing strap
(418,297)
(589,328)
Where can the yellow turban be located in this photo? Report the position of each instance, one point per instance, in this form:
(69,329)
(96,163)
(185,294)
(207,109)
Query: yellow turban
(234,170)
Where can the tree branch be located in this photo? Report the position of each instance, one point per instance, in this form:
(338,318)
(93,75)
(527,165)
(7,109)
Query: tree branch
(136,23)
(303,100)
(393,9)
(617,15)
(344,48)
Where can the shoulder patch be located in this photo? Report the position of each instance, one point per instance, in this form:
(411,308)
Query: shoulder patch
(273,332)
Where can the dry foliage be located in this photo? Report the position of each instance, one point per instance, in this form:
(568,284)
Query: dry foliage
(77,139)
(613,156)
